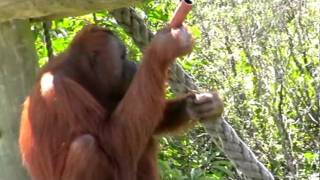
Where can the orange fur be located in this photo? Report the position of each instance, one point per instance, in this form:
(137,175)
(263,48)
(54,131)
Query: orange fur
(84,121)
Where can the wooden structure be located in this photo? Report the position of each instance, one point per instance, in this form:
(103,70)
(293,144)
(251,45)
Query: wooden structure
(18,63)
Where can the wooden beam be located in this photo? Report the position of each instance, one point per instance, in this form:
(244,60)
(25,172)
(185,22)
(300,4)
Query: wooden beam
(49,9)
(18,62)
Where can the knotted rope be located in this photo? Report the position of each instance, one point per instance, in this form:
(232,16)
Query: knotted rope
(220,131)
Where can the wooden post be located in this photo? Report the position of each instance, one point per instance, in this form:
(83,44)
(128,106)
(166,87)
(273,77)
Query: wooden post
(18,62)
(52,9)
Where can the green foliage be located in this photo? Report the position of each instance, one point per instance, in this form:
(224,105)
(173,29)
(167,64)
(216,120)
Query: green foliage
(263,58)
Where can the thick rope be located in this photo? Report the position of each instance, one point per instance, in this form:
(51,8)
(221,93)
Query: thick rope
(220,131)
(236,150)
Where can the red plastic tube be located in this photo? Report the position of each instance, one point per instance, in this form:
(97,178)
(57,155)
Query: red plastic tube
(180,13)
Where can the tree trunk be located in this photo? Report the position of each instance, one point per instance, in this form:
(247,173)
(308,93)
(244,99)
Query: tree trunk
(17,71)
